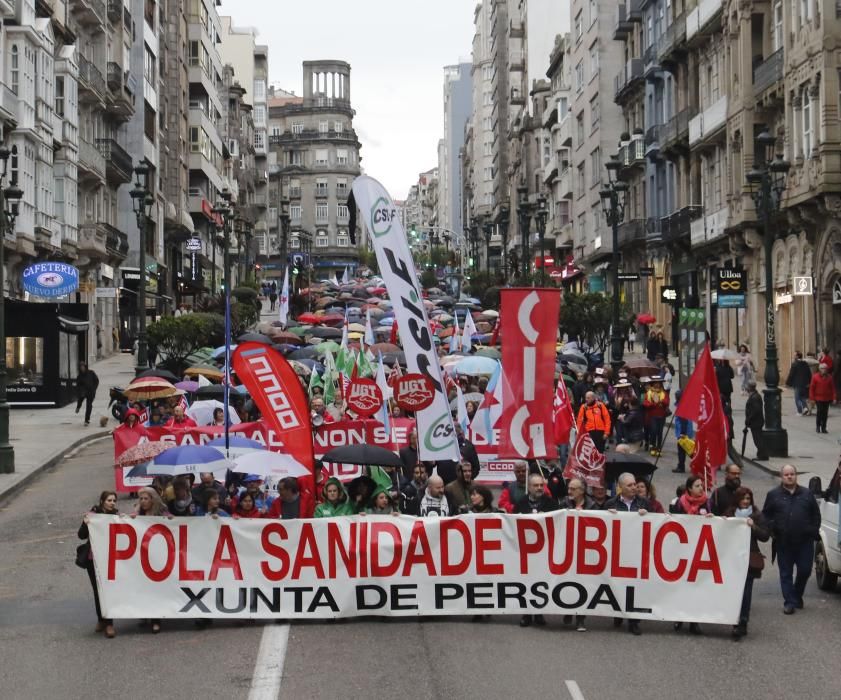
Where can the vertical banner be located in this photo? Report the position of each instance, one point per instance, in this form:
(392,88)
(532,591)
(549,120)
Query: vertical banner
(278,393)
(436,434)
(529,326)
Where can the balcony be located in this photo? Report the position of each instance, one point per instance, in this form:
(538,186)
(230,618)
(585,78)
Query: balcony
(322,192)
(674,132)
(651,66)
(706,229)
(769,72)
(92,86)
(678,225)
(116,242)
(516,61)
(294,193)
(706,124)
(114,73)
(630,74)
(515,29)
(654,231)
(704,19)
(652,140)
(624,25)
(89,12)
(93,241)
(517,97)
(348,135)
(635,9)
(115,11)
(91,162)
(342,192)
(565,131)
(672,40)
(631,232)
(632,153)
(118,164)
(565,184)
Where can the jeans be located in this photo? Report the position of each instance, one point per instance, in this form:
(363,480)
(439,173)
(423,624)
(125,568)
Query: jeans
(655,431)
(563,454)
(747,596)
(789,555)
(681,459)
(821,414)
(88,406)
(92,577)
(801,397)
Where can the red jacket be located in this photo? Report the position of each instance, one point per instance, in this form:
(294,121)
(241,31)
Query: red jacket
(822,387)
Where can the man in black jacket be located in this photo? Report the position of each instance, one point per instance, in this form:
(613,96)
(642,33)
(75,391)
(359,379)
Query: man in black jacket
(795,520)
(799,378)
(86,385)
(724,376)
(722,497)
(409,455)
(412,492)
(755,419)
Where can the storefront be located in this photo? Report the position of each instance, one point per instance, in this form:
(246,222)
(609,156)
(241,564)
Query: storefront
(44,344)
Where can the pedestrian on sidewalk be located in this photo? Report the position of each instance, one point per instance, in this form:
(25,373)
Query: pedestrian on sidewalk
(755,419)
(795,520)
(822,392)
(632,332)
(745,368)
(724,376)
(799,378)
(84,557)
(86,385)
(657,345)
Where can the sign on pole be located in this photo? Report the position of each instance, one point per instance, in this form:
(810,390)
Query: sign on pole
(803,286)
(731,284)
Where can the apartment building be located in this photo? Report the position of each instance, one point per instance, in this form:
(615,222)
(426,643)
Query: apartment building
(315,154)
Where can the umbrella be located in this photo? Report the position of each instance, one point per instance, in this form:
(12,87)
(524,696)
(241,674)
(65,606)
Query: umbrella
(493,353)
(237,445)
(331,345)
(646,319)
(484,327)
(356,328)
(190,459)
(300,331)
(202,412)
(573,357)
(331,319)
(274,464)
(285,347)
(391,357)
(309,318)
(325,301)
(206,371)
(490,313)
(220,351)
(642,367)
(307,353)
(150,388)
(376,313)
(312,365)
(214,391)
(363,454)
(160,373)
(300,369)
(446,332)
(141,453)
(199,356)
(618,463)
(326,332)
(474,396)
(384,347)
(724,354)
(434,291)
(188,386)
(387,321)
(286,338)
(476,365)
(255,338)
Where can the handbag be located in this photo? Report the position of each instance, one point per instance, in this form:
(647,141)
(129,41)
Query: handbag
(756,563)
(83,555)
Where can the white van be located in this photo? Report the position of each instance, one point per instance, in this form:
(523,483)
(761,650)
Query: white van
(828,549)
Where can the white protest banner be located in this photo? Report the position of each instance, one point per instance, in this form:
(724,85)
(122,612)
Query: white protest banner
(436,434)
(679,568)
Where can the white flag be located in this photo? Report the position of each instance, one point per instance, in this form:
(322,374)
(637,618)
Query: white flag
(468,333)
(283,313)
(346,276)
(369,329)
(461,410)
(454,339)
(344,343)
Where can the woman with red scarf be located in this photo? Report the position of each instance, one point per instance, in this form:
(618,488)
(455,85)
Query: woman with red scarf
(693,501)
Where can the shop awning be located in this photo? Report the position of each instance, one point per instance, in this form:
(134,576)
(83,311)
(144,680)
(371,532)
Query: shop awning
(72,325)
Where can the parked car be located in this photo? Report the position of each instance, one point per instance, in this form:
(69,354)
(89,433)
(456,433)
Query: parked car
(828,548)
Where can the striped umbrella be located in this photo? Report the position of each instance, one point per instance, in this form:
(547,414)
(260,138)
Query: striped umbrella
(146,388)
(141,453)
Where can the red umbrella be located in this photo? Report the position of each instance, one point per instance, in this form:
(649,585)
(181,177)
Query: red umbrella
(446,332)
(646,319)
(332,318)
(287,337)
(378,290)
(141,453)
(309,318)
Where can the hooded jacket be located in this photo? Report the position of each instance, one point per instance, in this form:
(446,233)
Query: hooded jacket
(373,510)
(341,507)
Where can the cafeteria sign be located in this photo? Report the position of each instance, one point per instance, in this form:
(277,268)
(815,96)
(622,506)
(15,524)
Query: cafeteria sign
(50,279)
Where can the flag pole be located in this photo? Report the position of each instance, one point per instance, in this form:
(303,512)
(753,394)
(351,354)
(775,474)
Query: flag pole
(668,432)
(227,377)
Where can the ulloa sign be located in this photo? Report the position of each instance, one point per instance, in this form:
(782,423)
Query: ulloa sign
(50,279)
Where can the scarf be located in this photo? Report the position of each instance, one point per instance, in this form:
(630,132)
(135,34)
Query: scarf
(692,504)
(744,512)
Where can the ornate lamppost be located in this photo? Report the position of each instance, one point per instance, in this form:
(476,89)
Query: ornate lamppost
(613,205)
(142,202)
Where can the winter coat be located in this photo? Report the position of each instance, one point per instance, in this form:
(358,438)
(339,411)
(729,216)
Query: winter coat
(512,492)
(595,417)
(760,532)
(721,499)
(87,383)
(545,504)
(616,503)
(794,518)
(458,493)
(800,375)
(334,510)
(724,375)
(754,417)
(656,347)
(655,404)
(822,388)
(569,504)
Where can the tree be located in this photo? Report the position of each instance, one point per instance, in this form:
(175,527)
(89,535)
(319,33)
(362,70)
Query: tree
(368,258)
(245,308)
(178,337)
(428,278)
(588,317)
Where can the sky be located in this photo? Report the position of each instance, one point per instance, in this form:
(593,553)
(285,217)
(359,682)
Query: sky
(397,51)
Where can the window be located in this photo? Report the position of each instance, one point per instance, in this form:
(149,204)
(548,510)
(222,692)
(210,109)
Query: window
(487,72)
(579,26)
(594,112)
(547,150)
(294,187)
(338,127)
(563,107)
(295,212)
(579,76)
(295,158)
(25,360)
(59,95)
(487,174)
(487,148)
(323,127)
(295,242)
(581,183)
(260,140)
(341,187)
(321,187)
(807,123)
(342,212)
(487,98)
(487,124)
(259,89)
(321,239)
(259,115)
(15,70)
(297,128)
(579,130)
(341,156)
(594,60)
(322,211)
(595,166)
(778,25)
(149,65)
(321,156)
(594,11)
(342,239)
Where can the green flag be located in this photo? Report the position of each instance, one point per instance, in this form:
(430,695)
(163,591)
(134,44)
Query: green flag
(315,381)
(329,378)
(363,366)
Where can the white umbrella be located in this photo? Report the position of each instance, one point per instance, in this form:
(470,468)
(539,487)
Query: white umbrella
(724,354)
(275,464)
(202,412)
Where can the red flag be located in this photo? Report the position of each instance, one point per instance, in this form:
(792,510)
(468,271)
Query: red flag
(562,414)
(275,388)
(394,375)
(393,337)
(529,324)
(701,403)
(495,336)
(585,462)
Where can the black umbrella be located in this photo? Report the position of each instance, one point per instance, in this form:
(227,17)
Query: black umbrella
(255,338)
(161,374)
(391,357)
(325,332)
(214,391)
(307,353)
(363,454)
(618,463)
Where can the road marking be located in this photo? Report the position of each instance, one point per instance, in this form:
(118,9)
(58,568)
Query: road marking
(268,669)
(574,691)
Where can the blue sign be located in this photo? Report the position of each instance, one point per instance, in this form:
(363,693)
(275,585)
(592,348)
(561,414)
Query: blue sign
(731,301)
(50,279)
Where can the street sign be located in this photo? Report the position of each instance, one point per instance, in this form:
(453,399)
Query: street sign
(803,286)
(628,276)
(106,292)
(731,284)
(193,243)
(646,272)
(668,295)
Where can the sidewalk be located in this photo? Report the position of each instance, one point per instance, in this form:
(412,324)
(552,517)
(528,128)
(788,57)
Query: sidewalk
(42,437)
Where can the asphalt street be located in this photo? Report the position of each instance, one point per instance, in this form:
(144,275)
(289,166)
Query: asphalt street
(49,649)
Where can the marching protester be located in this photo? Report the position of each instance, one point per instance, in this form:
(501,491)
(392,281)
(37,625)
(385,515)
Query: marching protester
(536,500)
(181,503)
(513,491)
(655,404)
(822,392)
(742,506)
(434,502)
(208,481)
(336,501)
(693,501)
(287,505)
(382,503)
(86,385)
(245,507)
(723,497)
(594,418)
(84,557)
(409,455)
(647,491)
(458,491)
(211,505)
(179,420)
(413,492)
(481,500)
(577,500)
(795,520)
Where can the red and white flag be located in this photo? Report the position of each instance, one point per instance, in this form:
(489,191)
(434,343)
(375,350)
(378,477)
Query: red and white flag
(585,462)
(562,414)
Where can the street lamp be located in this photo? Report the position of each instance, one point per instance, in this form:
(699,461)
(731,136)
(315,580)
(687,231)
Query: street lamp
(284,219)
(542,215)
(767,182)
(225,210)
(504,220)
(9,203)
(613,205)
(142,201)
(524,217)
(474,243)
(487,229)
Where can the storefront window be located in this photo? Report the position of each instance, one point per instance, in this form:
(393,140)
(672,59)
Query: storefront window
(25,361)
(68,355)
